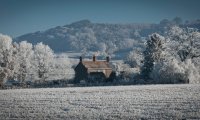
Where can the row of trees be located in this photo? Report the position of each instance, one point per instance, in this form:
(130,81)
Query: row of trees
(24,61)
(171,58)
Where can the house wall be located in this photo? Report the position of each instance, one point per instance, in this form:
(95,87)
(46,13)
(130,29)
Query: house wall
(80,72)
(96,77)
(107,72)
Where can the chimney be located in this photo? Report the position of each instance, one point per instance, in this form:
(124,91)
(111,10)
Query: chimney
(94,58)
(107,59)
(80,58)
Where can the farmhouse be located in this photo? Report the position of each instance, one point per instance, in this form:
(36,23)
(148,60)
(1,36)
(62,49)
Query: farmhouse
(93,70)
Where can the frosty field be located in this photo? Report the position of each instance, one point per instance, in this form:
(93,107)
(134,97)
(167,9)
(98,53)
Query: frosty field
(116,102)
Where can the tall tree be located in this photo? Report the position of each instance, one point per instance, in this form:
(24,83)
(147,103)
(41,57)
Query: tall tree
(25,55)
(43,57)
(152,53)
(7,55)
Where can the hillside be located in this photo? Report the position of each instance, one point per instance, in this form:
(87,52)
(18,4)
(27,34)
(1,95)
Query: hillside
(87,35)
(84,35)
(116,102)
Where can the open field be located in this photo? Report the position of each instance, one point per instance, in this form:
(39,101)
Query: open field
(116,102)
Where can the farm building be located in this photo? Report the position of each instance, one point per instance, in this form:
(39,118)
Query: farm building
(93,70)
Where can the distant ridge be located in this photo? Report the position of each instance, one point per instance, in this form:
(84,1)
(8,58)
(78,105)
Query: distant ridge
(87,35)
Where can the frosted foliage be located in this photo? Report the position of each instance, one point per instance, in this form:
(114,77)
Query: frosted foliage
(5,42)
(196,44)
(186,42)
(154,47)
(62,68)
(174,71)
(49,66)
(184,45)
(25,47)
(5,48)
(192,71)
(119,67)
(6,58)
(43,57)
(168,72)
(111,47)
(23,62)
(153,53)
(135,58)
(84,39)
(25,55)
(41,49)
(176,31)
(43,53)
(181,53)
(127,43)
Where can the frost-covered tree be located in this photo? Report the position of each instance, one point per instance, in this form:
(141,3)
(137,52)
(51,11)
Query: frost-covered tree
(152,54)
(175,71)
(181,57)
(5,50)
(168,71)
(184,45)
(135,58)
(62,68)
(184,42)
(43,57)
(24,60)
(7,58)
(120,68)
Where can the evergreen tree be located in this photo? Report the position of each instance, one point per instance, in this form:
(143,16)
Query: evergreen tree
(152,53)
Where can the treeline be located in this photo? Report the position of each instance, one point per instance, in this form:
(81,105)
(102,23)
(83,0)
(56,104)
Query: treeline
(171,58)
(170,54)
(26,62)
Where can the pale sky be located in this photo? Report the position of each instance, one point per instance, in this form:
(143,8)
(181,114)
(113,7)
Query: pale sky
(18,17)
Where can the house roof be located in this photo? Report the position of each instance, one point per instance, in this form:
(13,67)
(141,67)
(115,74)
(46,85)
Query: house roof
(96,64)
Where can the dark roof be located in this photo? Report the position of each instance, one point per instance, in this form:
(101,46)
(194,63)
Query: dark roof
(96,64)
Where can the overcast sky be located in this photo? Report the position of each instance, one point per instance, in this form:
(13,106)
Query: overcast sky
(18,17)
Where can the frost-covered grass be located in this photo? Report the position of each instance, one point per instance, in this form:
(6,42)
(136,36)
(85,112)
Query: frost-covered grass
(116,102)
